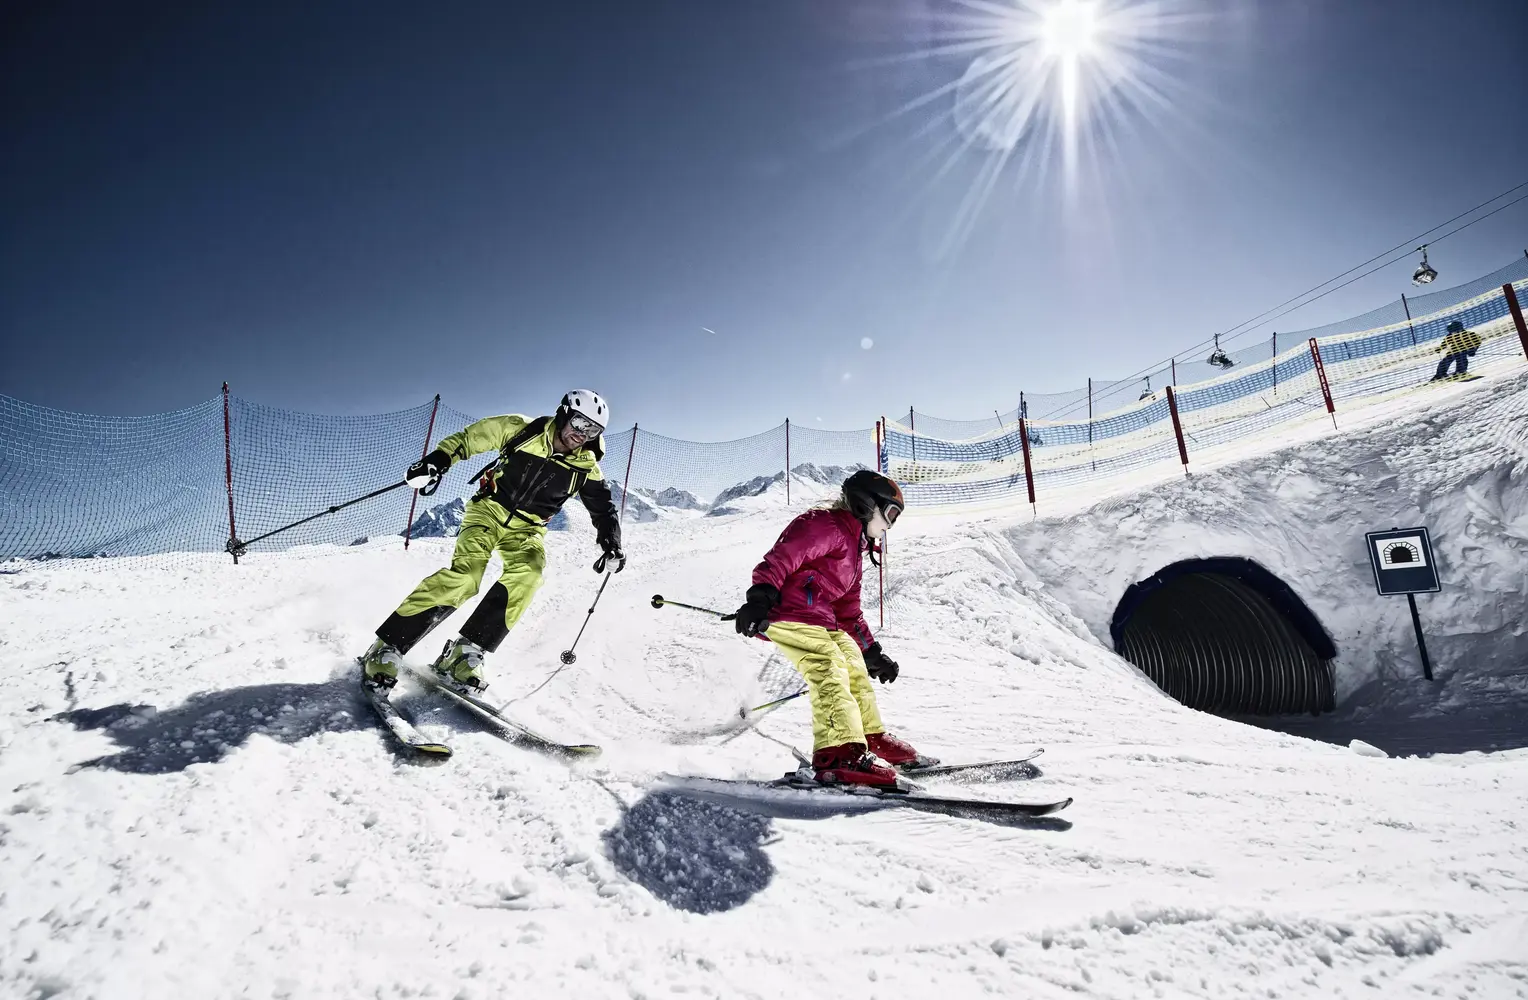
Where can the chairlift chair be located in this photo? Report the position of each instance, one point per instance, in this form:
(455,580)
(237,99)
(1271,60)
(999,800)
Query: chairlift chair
(1218,357)
(1424,274)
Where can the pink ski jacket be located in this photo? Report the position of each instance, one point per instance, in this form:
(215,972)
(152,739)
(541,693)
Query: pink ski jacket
(816,566)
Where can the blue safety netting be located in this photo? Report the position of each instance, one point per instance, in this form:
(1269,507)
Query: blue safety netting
(1112,428)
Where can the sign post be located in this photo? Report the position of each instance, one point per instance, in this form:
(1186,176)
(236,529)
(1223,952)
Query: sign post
(1403,564)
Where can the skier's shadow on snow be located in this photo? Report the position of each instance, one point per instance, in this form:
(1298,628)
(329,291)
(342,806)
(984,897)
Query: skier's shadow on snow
(206,727)
(693,855)
(707,857)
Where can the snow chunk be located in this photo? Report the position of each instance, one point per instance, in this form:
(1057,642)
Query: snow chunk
(1366,749)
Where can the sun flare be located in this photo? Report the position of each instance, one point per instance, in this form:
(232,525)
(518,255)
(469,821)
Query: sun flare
(1069,29)
(1048,77)
(1046,91)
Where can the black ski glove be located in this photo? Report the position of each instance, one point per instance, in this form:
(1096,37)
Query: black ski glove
(880,666)
(610,545)
(613,557)
(753,617)
(427,470)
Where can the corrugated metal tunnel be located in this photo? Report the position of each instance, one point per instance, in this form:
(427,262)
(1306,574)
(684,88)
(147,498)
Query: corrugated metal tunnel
(1224,635)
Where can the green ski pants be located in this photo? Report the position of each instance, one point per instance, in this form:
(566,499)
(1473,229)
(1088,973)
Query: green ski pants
(484,532)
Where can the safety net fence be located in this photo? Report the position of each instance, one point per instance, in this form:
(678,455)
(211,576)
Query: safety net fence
(1113,435)
(231,476)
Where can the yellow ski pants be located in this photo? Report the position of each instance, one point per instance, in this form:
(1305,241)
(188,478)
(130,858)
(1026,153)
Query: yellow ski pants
(484,531)
(843,703)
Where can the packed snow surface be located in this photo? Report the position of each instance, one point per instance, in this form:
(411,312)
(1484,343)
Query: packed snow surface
(245,830)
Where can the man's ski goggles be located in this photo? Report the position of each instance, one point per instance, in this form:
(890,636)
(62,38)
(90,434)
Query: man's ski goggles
(583,426)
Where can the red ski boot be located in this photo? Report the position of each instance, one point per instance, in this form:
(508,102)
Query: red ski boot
(890,749)
(851,764)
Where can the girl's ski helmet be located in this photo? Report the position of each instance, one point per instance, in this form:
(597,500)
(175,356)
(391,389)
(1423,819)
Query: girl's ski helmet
(867,492)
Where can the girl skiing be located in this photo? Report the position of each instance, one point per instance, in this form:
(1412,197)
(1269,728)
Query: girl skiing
(805,599)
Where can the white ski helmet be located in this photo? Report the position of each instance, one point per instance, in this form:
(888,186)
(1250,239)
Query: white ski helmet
(585,402)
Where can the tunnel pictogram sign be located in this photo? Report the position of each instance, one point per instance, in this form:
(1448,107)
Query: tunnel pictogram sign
(1403,564)
(1403,561)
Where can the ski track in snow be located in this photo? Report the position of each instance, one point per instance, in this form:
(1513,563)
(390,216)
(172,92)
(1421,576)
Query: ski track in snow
(254,835)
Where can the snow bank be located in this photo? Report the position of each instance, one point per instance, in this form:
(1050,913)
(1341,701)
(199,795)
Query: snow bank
(1460,469)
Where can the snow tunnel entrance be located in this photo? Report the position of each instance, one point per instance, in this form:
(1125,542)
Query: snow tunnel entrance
(1226,636)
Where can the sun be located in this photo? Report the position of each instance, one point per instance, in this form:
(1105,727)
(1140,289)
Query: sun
(1054,90)
(1051,66)
(1069,29)
(1053,81)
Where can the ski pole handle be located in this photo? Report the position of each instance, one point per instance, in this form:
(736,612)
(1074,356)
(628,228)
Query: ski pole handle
(659,601)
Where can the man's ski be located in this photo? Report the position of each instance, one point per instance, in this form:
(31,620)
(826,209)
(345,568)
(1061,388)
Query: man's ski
(986,770)
(401,728)
(799,792)
(506,727)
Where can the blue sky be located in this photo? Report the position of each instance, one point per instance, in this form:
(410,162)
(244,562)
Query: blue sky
(346,209)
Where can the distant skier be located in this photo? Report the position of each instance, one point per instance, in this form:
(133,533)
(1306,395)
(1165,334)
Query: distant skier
(805,599)
(542,463)
(1458,346)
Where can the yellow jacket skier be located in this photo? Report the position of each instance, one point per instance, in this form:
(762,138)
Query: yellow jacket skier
(1458,346)
(541,463)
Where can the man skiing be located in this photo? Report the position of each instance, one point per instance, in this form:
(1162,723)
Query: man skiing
(542,462)
(805,599)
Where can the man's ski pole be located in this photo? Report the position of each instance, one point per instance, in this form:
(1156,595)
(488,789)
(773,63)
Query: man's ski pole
(659,601)
(568,656)
(236,547)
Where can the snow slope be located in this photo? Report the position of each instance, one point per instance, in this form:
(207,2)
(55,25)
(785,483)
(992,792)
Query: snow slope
(246,832)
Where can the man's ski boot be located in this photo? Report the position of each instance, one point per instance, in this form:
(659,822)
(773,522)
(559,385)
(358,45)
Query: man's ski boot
(852,764)
(379,666)
(897,752)
(460,666)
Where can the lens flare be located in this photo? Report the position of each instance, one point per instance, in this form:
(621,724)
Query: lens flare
(1056,88)
(1053,70)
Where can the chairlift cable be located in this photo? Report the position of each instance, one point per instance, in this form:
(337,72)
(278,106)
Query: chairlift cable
(1261,316)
